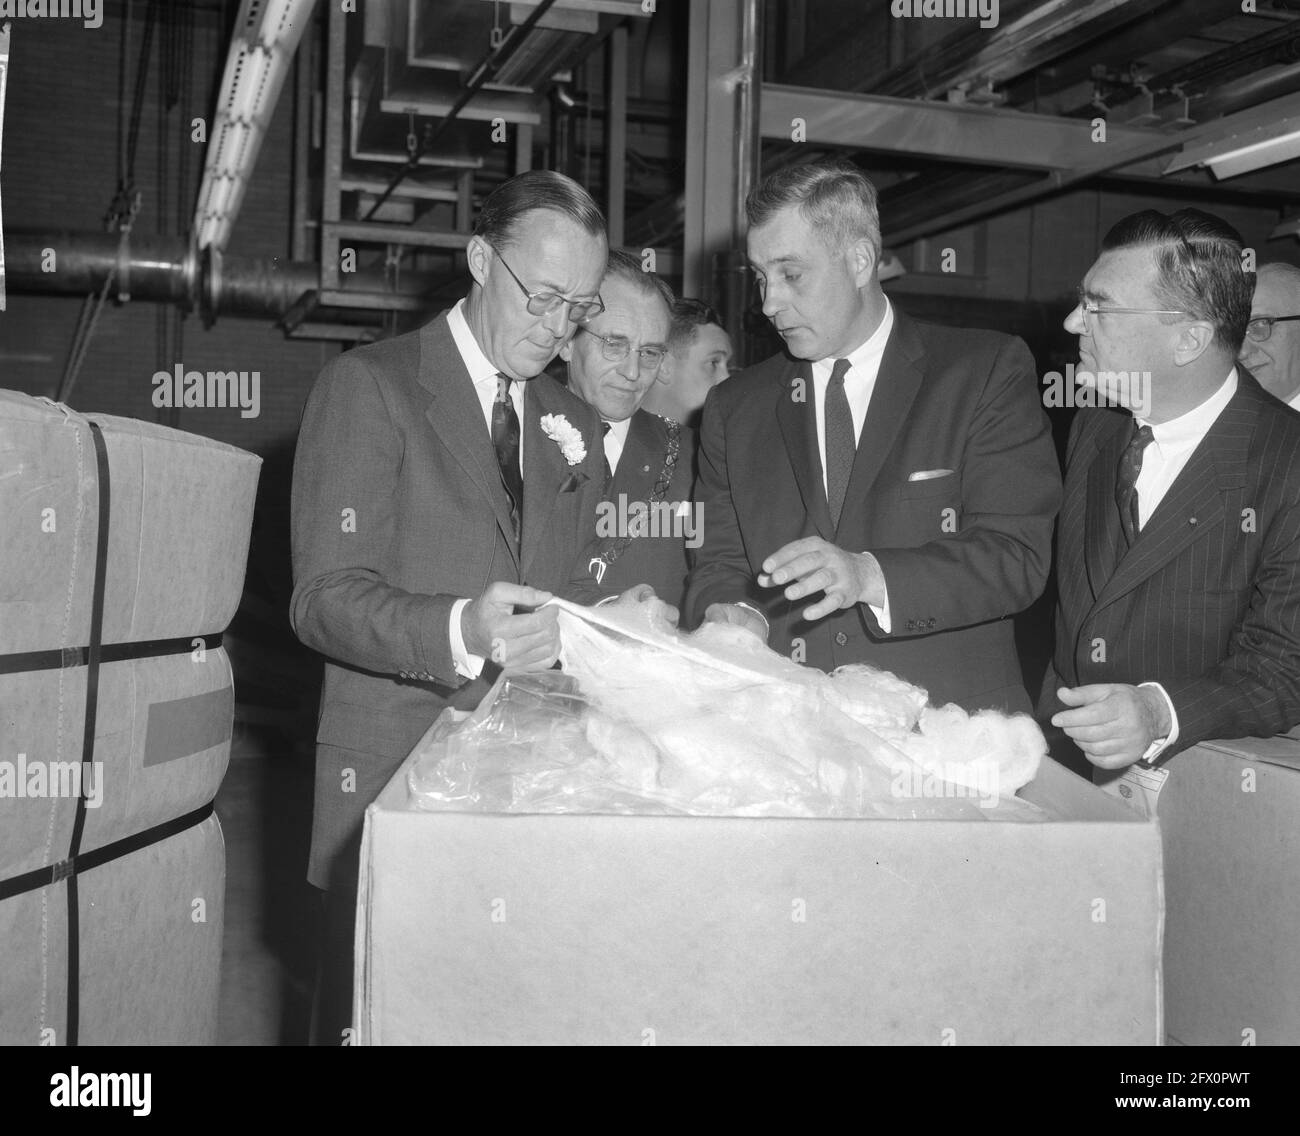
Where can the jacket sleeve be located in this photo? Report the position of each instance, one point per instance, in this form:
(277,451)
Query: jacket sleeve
(721,573)
(344,522)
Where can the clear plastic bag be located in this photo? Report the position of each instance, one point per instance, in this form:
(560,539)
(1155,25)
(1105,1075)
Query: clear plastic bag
(647,720)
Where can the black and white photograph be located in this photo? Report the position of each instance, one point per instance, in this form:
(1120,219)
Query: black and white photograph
(583,523)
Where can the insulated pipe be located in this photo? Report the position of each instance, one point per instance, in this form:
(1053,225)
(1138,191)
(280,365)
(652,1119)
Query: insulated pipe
(163,270)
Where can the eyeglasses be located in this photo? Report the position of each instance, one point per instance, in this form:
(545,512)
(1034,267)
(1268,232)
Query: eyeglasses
(1090,308)
(544,303)
(617,349)
(1261,327)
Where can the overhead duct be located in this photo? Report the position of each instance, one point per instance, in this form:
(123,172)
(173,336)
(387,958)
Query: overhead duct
(262,45)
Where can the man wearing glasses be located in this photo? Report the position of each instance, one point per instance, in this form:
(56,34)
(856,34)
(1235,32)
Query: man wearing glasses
(1271,351)
(441,493)
(1178,554)
(646,521)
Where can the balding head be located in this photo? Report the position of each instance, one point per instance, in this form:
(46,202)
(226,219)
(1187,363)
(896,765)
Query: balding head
(1275,360)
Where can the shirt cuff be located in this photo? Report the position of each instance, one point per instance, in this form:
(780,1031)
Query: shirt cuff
(1157,747)
(751,607)
(466,664)
(882,614)
(604,601)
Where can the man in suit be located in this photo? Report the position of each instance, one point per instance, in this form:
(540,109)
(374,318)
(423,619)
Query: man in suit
(435,506)
(1271,349)
(883,493)
(698,359)
(1179,542)
(646,522)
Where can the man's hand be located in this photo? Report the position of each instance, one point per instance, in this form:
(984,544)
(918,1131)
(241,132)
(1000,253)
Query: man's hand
(655,611)
(737,616)
(1114,724)
(526,642)
(815,565)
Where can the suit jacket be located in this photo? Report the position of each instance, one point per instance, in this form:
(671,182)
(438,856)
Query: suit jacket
(960,553)
(399,510)
(1207,600)
(659,560)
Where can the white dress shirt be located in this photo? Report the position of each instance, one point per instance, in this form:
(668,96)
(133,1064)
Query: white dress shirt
(1172,445)
(859,385)
(1294,403)
(615,440)
(483,374)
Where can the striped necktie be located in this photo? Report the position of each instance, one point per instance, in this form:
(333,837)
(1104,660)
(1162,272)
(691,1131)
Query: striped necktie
(841,442)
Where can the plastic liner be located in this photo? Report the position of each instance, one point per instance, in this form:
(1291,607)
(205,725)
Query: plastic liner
(647,720)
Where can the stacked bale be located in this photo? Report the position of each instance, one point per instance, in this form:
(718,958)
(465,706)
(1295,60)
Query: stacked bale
(122,560)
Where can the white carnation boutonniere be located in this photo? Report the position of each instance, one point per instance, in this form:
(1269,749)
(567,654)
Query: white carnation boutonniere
(565,435)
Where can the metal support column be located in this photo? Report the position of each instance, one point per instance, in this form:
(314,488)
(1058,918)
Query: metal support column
(616,133)
(523,147)
(335,91)
(722,152)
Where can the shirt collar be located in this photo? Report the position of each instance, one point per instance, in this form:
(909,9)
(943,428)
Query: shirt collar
(1188,429)
(872,349)
(619,429)
(481,369)
(1295,401)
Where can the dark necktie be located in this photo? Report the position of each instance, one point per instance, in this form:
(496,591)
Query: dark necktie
(841,443)
(505,437)
(1130,465)
(609,473)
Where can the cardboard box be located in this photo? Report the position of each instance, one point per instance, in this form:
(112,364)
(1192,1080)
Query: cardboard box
(508,929)
(1230,813)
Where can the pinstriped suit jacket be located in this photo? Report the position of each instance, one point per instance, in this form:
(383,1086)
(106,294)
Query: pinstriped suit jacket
(395,433)
(1207,600)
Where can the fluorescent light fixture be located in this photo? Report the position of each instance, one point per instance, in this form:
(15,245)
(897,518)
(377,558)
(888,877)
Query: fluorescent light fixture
(1244,152)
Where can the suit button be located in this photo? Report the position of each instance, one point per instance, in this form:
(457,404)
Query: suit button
(841,638)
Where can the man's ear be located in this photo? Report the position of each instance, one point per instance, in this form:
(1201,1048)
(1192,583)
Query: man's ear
(478,255)
(862,260)
(665,375)
(1194,340)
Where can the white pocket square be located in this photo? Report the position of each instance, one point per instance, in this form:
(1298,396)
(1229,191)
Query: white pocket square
(928,474)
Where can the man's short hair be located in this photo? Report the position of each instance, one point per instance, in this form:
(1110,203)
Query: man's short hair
(688,317)
(1288,274)
(1198,267)
(512,200)
(836,198)
(626,266)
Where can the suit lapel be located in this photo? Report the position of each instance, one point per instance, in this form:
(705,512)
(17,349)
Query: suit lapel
(1194,505)
(1102,536)
(457,418)
(798,422)
(545,467)
(897,383)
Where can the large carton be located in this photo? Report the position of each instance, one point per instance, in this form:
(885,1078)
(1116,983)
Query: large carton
(504,929)
(149,527)
(1230,813)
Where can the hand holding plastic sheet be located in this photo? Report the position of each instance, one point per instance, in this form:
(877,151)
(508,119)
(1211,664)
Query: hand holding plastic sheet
(647,719)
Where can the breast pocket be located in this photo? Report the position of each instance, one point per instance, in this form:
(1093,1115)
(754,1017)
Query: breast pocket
(924,511)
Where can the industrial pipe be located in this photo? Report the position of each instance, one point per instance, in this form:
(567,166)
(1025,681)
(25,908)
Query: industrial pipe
(164,270)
